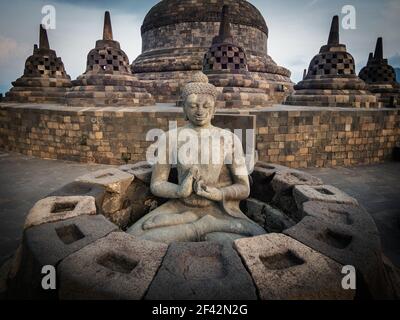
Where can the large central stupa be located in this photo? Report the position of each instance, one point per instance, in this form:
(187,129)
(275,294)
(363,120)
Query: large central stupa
(177,33)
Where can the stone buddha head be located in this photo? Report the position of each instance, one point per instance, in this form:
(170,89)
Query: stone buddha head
(199,97)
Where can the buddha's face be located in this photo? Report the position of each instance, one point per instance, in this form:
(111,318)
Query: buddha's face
(199,109)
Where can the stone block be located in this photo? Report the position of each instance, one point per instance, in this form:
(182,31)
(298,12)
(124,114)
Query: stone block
(50,243)
(202,271)
(324,193)
(114,180)
(269,169)
(141,171)
(347,246)
(285,269)
(268,217)
(261,178)
(54,209)
(341,214)
(121,218)
(288,179)
(118,267)
(81,189)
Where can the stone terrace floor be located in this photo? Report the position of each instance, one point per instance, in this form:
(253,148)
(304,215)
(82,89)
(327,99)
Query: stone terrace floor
(25,180)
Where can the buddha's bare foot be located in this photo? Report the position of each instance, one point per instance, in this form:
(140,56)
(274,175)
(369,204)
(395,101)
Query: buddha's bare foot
(169,219)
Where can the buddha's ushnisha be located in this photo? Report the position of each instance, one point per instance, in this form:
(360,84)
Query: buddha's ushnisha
(204,205)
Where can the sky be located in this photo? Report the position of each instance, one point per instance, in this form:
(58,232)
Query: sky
(297,30)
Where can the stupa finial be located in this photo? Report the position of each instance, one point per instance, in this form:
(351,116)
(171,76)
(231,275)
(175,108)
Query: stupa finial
(43,39)
(107,31)
(304,74)
(370,57)
(379,49)
(225,26)
(334,33)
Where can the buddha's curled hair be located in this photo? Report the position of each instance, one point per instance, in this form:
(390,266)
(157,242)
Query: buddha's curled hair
(199,85)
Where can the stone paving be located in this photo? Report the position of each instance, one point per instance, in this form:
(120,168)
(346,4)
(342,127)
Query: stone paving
(25,180)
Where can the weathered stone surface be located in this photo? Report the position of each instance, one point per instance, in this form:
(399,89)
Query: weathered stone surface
(4,271)
(141,199)
(261,177)
(285,269)
(201,271)
(341,214)
(222,237)
(269,169)
(54,209)
(115,205)
(81,189)
(113,202)
(141,171)
(288,179)
(322,193)
(393,277)
(268,217)
(348,246)
(338,241)
(114,180)
(122,217)
(117,267)
(286,202)
(50,243)
(16,264)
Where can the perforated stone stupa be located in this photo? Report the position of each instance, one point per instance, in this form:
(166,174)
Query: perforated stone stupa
(226,66)
(177,33)
(331,80)
(108,79)
(44,80)
(381,77)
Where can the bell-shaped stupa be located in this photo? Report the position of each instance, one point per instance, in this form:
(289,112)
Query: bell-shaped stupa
(226,66)
(381,77)
(331,80)
(108,80)
(177,33)
(45,79)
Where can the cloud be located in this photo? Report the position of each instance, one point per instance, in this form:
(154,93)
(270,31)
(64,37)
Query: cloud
(395,60)
(134,6)
(7,47)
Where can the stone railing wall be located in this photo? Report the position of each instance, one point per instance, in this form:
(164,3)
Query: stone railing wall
(297,137)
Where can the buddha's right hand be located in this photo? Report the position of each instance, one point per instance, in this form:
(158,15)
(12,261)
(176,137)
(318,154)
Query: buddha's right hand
(185,190)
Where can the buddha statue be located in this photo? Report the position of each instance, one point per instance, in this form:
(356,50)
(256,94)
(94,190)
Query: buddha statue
(212,178)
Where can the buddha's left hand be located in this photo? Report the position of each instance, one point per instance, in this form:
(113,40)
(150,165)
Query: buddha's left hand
(209,193)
